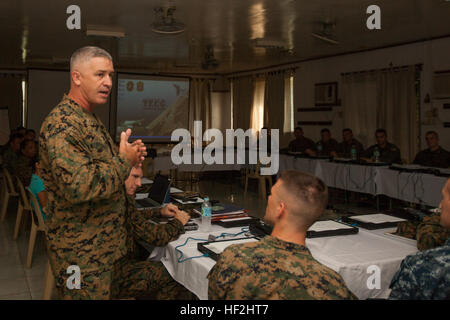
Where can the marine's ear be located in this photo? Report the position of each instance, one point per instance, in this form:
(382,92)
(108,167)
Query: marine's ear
(76,77)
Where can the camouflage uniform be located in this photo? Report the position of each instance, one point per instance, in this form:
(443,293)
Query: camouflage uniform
(300,145)
(344,149)
(389,154)
(327,147)
(407,229)
(24,170)
(84,176)
(88,215)
(273,269)
(133,278)
(439,158)
(430,233)
(425,275)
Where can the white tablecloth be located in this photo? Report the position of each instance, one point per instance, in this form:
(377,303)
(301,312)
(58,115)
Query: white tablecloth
(350,256)
(419,188)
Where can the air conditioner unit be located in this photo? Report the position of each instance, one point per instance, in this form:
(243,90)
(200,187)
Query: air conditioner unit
(441,85)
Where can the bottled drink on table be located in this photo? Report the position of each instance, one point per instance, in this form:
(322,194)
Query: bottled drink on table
(353,152)
(319,148)
(206,215)
(376,155)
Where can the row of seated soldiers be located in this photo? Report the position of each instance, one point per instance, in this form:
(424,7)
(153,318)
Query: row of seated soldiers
(19,153)
(433,156)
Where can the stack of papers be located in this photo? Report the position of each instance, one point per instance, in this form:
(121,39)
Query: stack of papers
(377,218)
(328,225)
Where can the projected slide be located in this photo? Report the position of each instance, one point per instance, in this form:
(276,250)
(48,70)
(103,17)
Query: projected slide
(152,107)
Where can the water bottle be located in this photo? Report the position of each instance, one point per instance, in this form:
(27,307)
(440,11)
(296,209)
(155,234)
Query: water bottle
(206,215)
(353,152)
(319,148)
(376,155)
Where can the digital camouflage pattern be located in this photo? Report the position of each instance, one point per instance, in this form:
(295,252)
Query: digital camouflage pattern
(430,233)
(423,276)
(389,154)
(140,228)
(84,176)
(24,170)
(273,269)
(407,229)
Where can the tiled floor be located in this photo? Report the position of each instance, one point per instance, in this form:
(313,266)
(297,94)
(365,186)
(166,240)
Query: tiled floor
(20,283)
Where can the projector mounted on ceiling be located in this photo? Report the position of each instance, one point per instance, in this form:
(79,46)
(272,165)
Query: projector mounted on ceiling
(165,22)
(209,61)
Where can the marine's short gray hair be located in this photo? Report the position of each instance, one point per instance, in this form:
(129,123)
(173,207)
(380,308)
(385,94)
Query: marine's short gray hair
(84,54)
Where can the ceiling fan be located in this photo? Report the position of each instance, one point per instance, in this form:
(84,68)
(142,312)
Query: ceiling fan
(165,22)
(326,32)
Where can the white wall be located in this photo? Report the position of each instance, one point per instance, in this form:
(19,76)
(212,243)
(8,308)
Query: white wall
(434,55)
(45,90)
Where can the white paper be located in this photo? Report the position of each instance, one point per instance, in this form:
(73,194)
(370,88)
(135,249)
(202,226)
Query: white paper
(199,200)
(175,190)
(218,247)
(146,181)
(377,218)
(235,219)
(327,225)
(139,196)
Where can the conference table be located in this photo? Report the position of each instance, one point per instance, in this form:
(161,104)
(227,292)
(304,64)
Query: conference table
(354,257)
(421,188)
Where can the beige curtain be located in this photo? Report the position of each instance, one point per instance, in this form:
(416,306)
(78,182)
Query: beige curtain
(382,99)
(288,105)
(200,103)
(242,102)
(257,119)
(397,109)
(274,101)
(359,100)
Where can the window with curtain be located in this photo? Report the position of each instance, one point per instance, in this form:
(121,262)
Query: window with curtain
(288,104)
(257,115)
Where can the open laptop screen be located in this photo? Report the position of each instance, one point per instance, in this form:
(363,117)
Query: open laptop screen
(158,191)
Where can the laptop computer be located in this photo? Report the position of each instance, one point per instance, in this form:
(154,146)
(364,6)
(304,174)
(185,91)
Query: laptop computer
(157,195)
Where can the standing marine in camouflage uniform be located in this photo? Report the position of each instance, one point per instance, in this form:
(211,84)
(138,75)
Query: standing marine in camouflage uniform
(426,275)
(280,266)
(84,175)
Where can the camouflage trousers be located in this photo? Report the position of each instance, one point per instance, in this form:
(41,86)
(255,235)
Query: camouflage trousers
(126,279)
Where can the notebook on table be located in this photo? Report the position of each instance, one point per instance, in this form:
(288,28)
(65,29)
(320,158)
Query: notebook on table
(157,194)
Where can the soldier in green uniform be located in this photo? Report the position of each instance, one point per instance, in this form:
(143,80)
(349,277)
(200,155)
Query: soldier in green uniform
(280,266)
(302,143)
(84,174)
(326,146)
(435,155)
(344,149)
(388,152)
(132,277)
